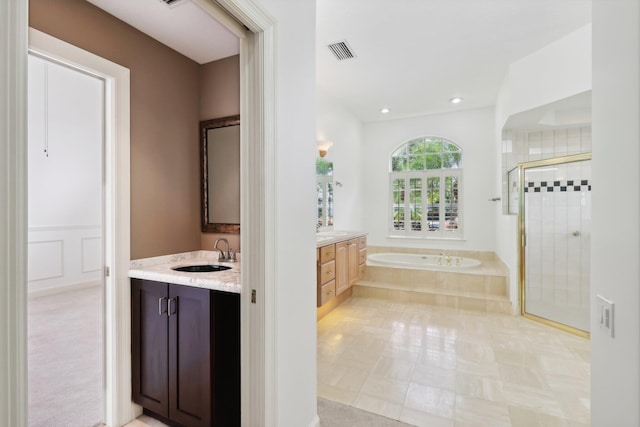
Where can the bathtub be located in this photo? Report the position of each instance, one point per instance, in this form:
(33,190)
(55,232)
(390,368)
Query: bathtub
(421,262)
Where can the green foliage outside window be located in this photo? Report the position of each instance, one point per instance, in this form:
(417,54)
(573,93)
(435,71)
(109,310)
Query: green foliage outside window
(323,167)
(425,154)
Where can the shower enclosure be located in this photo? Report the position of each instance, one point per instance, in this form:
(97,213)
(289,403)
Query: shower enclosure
(555,230)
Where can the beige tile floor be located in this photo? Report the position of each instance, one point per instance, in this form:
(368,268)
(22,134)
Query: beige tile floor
(435,366)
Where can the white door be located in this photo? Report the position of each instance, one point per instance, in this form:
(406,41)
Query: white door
(65,245)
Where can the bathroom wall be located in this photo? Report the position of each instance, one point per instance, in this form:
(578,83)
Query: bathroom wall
(615,361)
(557,71)
(165,173)
(295,269)
(337,124)
(220,97)
(473,131)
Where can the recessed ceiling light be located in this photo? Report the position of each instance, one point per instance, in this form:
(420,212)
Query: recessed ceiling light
(385,110)
(456,100)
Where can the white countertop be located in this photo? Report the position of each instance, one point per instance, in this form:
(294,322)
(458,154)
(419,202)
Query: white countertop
(159,269)
(325,238)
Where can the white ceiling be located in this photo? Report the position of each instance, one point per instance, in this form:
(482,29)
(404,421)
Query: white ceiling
(412,56)
(183,26)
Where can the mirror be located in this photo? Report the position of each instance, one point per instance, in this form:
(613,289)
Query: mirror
(220,175)
(324,193)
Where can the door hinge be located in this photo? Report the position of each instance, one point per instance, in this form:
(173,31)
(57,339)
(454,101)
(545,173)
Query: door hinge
(253,296)
(107,271)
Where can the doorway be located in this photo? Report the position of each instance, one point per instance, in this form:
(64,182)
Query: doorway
(555,231)
(66,119)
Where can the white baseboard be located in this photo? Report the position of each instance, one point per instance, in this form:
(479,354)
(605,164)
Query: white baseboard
(315,422)
(52,290)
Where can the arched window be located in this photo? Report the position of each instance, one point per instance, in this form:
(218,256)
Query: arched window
(425,182)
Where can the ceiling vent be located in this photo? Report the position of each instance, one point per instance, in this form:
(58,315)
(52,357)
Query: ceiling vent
(341,50)
(173,3)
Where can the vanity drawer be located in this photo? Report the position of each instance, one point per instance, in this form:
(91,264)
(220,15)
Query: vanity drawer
(326,292)
(362,242)
(362,256)
(362,268)
(327,272)
(327,253)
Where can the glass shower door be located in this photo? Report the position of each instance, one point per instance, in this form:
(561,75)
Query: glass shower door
(556,229)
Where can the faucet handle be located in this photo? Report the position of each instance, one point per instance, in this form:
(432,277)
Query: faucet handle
(232,256)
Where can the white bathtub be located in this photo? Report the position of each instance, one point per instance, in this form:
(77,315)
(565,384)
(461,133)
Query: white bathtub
(421,262)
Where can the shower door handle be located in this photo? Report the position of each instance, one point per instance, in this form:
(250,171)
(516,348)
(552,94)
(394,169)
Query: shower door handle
(576,233)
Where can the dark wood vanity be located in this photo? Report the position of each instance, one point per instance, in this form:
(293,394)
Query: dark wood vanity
(186,353)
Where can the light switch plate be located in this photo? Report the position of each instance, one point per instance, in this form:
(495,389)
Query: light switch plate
(605,313)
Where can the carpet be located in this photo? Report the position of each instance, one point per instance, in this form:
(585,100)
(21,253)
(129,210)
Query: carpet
(334,414)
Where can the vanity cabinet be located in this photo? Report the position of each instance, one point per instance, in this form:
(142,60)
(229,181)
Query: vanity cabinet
(186,354)
(340,265)
(326,277)
(362,256)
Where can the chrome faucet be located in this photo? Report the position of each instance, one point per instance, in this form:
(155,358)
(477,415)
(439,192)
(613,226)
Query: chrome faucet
(447,258)
(225,256)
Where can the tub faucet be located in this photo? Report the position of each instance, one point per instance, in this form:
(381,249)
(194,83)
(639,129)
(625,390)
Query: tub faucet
(447,258)
(225,256)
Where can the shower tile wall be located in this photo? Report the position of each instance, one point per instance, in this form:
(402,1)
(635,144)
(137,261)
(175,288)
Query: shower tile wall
(558,204)
(558,223)
(523,146)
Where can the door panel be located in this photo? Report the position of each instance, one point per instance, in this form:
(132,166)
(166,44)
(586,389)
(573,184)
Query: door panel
(149,345)
(557,220)
(190,353)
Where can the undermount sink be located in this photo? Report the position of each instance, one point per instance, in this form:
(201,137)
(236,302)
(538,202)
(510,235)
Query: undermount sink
(201,268)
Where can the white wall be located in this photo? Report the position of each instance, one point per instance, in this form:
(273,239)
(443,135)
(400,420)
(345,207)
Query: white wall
(557,71)
(471,130)
(296,153)
(337,124)
(615,362)
(66,121)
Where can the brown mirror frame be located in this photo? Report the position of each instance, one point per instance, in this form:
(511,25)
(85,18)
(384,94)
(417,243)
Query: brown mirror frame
(211,227)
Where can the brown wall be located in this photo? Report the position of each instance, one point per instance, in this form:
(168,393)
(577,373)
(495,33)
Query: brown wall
(165,110)
(220,97)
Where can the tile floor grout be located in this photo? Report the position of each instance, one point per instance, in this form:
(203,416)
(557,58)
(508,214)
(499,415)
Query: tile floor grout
(487,366)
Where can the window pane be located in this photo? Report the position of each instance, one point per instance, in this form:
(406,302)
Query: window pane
(450,147)
(398,204)
(330,203)
(451,160)
(399,159)
(323,167)
(451,203)
(415,203)
(434,161)
(416,163)
(433,203)
(433,146)
(320,194)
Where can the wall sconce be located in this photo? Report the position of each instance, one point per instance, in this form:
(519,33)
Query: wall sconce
(323,147)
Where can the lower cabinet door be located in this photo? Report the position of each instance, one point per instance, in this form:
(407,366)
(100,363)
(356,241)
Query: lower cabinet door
(190,355)
(149,343)
(186,354)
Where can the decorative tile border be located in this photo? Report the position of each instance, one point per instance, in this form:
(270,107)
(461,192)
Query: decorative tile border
(557,186)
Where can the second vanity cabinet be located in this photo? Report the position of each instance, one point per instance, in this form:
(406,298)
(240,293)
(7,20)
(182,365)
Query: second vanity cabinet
(186,353)
(340,265)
